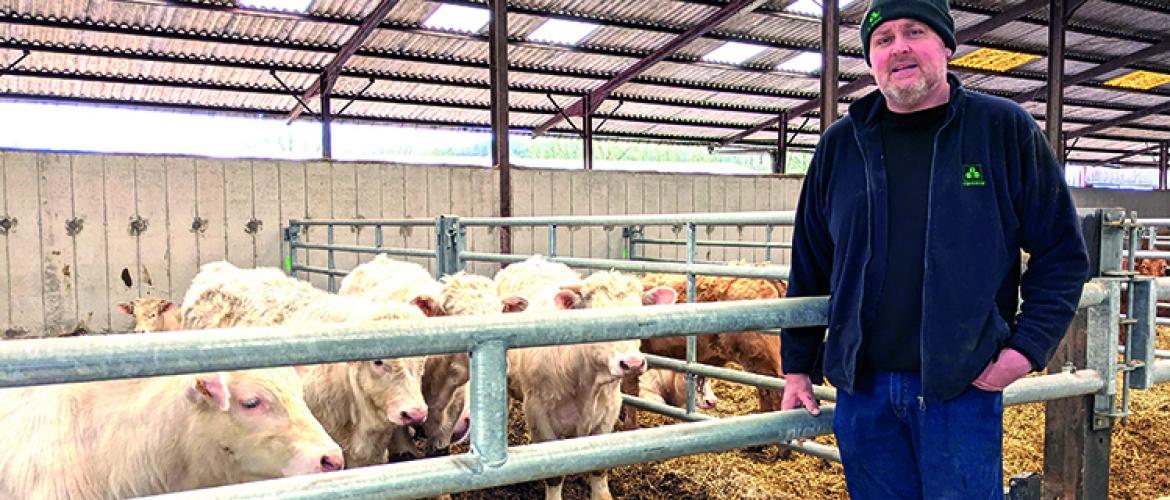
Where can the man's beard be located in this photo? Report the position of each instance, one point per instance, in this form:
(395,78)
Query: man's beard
(908,97)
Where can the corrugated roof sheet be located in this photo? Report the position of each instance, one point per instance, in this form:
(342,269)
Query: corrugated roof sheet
(212,55)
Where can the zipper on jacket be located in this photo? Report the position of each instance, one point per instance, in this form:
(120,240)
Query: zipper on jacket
(869,214)
(926,250)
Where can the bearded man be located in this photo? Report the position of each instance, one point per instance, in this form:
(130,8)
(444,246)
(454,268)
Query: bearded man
(912,217)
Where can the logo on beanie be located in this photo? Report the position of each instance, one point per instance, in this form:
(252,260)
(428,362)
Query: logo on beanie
(973,175)
(875,17)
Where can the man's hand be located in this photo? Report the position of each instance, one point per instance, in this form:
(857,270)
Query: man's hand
(1007,368)
(798,393)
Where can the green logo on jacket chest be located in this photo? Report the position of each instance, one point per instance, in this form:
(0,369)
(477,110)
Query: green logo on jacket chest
(973,175)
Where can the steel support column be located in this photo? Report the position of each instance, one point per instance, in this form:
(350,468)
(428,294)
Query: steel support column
(780,163)
(1163,165)
(1054,115)
(587,132)
(830,50)
(326,118)
(498,76)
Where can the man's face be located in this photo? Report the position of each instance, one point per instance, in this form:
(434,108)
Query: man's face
(909,63)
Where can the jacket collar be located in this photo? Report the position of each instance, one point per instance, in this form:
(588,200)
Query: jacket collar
(865,111)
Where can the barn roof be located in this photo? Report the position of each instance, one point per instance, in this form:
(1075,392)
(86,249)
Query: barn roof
(218,56)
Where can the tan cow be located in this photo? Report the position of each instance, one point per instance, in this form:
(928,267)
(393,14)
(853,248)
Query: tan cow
(138,437)
(385,280)
(573,390)
(152,314)
(361,403)
(670,387)
(223,296)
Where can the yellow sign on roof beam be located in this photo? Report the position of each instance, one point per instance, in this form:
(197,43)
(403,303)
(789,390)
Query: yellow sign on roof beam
(1141,80)
(994,60)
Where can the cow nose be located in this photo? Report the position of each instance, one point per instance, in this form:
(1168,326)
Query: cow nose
(413,416)
(332,462)
(631,363)
(709,403)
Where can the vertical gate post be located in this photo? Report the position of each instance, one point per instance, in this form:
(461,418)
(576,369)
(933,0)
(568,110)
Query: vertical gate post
(1144,293)
(1077,437)
(448,245)
(292,234)
(692,297)
(489,407)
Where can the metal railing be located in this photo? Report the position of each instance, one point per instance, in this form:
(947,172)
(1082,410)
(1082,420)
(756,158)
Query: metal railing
(491,462)
(450,252)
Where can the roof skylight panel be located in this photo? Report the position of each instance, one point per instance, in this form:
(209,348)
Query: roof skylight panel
(813,8)
(562,32)
(301,6)
(804,63)
(994,59)
(733,53)
(1140,79)
(458,18)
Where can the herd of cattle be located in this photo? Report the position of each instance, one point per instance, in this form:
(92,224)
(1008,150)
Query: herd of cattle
(140,437)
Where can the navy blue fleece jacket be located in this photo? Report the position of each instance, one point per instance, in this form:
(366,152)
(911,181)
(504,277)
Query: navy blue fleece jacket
(995,188)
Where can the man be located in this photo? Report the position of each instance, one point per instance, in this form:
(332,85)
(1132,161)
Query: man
(912,218)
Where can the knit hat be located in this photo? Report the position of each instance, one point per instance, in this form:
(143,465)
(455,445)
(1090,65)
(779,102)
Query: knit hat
(934,13)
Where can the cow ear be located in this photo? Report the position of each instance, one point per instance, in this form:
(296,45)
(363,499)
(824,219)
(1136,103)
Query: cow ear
(126,308)
(165,306)
(428,305)
(566,299)
(515,304)
(658,296)
(213,388)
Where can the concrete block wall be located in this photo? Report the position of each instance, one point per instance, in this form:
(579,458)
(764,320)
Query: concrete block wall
(1149,204)
(73,255)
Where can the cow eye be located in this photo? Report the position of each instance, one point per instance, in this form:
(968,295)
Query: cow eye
(378,362)
(250,403)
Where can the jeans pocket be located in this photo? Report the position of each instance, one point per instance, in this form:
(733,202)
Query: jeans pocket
(983,397)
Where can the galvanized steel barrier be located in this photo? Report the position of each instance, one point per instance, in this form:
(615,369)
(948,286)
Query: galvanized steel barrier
(451,255)
(491,462)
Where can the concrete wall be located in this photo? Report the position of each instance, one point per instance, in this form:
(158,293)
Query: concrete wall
(72,257)
(1147,203)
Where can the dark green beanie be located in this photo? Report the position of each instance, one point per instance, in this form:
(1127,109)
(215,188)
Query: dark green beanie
(934,13)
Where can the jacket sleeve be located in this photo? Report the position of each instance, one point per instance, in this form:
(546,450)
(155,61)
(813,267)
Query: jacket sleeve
(812,266)
(1050,231)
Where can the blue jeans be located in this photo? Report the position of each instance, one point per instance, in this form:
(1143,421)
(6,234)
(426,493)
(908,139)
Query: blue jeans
(896,445)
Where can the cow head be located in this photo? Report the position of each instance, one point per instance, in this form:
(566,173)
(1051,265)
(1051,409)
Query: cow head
(393,387)
(151,314)
(258,423)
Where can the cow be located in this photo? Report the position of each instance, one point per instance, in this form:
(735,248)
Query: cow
(573,390)
(362,403)
(152,314)
(670,387)
(138,437)
(385,280)
(757,352)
